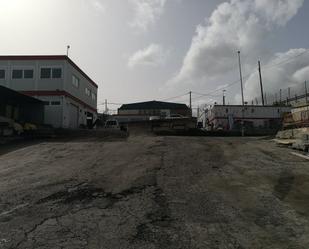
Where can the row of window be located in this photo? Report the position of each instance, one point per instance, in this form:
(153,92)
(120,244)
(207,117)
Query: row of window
(89,93)
(46,73)
(75,83)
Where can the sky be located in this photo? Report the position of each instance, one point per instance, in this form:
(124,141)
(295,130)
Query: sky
(140,50)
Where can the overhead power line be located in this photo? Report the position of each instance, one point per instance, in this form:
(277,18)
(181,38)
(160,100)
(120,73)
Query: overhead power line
(205,94)
(175,97)
(249,74)
(111,104)
(225,86)
(285,61)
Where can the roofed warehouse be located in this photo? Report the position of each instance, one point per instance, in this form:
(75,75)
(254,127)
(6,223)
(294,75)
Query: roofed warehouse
(142,111)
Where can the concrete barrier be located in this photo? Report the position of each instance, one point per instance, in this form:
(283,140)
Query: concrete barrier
(293,133)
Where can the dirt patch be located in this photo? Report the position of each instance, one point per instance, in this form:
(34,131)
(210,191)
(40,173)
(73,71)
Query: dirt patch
(284,185)
(80,193)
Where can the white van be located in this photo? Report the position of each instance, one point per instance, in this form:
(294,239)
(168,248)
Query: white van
(112,124)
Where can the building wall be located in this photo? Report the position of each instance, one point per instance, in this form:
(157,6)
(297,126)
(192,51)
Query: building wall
(151,112)
(83,112)
(259,116)
(35,84)
(79,92)
(61,91)
(53,109)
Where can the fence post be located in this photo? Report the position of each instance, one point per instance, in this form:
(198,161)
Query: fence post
(306,92)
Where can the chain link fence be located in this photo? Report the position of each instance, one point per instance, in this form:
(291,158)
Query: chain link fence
(294,95)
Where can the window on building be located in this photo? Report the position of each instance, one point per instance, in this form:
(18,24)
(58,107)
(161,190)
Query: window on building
(87,91)
(51,73)
(93,96)
(28,74)
(56,73)
(75,81)
(46,102)
(252,110)
(45,73)
(22,74)
(55,103)
(17,74)
(2,74)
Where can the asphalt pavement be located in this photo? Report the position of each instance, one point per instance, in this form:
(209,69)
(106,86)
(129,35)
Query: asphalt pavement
(149,191)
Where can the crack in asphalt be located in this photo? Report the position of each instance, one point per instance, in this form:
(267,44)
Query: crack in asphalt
(158,226)
(83,193)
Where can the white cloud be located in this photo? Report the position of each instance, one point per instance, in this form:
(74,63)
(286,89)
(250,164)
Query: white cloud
(234,25)
(279,12)
(153,55)
(146,12)
(282,71)
(98,5)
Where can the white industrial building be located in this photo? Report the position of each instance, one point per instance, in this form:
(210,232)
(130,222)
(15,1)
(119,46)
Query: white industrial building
(229,117)
(69,95)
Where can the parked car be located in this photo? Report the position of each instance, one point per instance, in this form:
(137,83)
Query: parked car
(112,124)
(151,118)
(175,116)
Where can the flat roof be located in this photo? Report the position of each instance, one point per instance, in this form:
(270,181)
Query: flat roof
(48,57)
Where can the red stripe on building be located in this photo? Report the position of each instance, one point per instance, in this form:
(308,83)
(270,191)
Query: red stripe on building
(57,93)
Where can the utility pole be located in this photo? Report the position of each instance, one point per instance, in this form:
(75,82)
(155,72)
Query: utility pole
(241,84)
(242,97)
(280,96)
(190,93)
(68,49)
(198,112)
(223,97)
(306,92)
(261,83)
(106,110)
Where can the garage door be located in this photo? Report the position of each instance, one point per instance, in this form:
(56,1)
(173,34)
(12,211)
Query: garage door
(73,116)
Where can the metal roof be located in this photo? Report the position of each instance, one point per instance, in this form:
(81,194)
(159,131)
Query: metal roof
(10,96)
(153,105)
